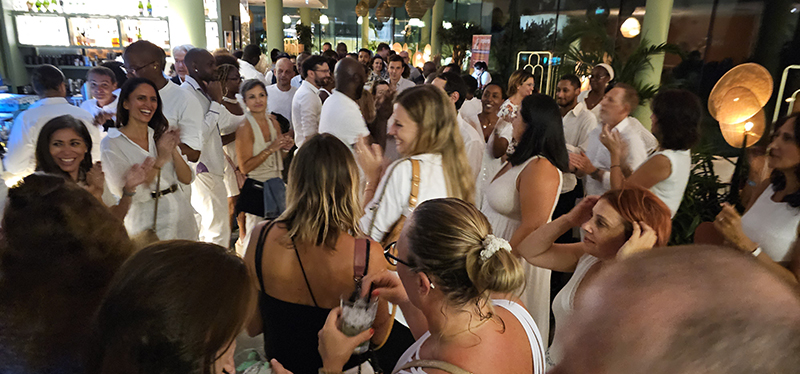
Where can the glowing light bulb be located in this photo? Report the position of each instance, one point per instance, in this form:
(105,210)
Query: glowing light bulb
(360,20)
(323,19)
(748,126)
(287,19)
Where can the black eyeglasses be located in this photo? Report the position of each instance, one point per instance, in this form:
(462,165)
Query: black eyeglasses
(390,257)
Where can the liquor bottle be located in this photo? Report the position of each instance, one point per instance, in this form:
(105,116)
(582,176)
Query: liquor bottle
(141,8)
(149,9)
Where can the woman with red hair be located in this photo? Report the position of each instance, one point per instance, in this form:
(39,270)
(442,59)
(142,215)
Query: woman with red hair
(617,224)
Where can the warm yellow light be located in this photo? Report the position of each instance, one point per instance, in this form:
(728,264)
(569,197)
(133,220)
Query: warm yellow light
(630,28)
(427,50)
(323,19)
(419,59)
(748,126)
(397,47)
(360,20)
(287,19)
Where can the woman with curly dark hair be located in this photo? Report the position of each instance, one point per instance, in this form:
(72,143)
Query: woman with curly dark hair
(59,250)
(769,225)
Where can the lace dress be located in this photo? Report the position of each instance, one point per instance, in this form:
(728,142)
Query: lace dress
(502,208)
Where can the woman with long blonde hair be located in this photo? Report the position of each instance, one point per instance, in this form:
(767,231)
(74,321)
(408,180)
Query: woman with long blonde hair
(304,260)
(426,133)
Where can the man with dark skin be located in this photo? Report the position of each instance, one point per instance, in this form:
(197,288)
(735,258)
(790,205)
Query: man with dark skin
(209,196)
(341,50)
(341,115)
(326,47)
(682,310)
(146,60)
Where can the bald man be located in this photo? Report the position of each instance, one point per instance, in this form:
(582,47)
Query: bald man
(146,60)
(280,94)
(341,116)
(209,197)
(678,310)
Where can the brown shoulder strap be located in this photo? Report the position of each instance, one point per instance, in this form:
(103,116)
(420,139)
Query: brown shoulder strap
(360,259)
(433,364)
(412,198)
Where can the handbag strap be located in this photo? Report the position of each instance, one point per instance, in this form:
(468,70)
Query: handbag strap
(433,364)
(412,198)
(360,260)
(158,195)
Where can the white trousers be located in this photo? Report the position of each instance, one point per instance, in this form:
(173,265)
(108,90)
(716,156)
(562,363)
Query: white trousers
(210,200)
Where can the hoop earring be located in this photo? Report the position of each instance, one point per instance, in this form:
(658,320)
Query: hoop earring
(225,93)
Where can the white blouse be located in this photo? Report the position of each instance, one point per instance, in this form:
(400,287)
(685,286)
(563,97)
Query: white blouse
(175,213)
(772,225)
(670,190)
(387,208)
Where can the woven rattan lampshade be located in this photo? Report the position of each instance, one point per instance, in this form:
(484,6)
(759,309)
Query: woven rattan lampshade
(740,93)
(734,133)
(415,9)
(362,9)
(383,12)
(394,3)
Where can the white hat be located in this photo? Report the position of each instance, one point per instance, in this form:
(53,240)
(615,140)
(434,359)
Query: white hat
(609,69)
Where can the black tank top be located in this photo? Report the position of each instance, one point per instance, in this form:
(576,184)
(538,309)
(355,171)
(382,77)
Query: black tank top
(290,330)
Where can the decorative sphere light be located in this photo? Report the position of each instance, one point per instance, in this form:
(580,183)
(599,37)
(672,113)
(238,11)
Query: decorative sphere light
(360,20)
(736,105)
(323,20)
(630,28)
(447,25)
(287,19)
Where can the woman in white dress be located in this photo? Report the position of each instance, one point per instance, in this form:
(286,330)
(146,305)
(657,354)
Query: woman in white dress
(142,132)
(769,226)
(520,85)
(676,116)
(425,131)
(524,193)
(229,75)
(450,274)
(497,134)
(614,225)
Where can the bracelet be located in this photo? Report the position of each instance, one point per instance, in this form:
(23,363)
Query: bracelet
(325,371)
(615,166)
(128,194)
(156,167)
(756,251)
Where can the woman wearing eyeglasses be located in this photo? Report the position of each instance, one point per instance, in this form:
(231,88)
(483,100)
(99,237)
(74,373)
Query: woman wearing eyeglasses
(453,283)
(304,260)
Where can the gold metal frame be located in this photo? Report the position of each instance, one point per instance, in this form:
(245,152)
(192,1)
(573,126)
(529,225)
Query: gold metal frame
(539,65)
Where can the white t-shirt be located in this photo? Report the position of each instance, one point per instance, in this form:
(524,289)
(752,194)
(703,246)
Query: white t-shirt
(633,134)
(470,109)
(216,116)
(93,109)
(403,84)
(306,108)
(20,157)
(596,110)
(483,78)
(577,124)
(183,111)
(670,190)
(281,101)
(342,118)
(387,207)
(473,146)
(248,71)
(772,225)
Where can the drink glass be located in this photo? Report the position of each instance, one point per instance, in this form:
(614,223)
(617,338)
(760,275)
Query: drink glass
(358,316)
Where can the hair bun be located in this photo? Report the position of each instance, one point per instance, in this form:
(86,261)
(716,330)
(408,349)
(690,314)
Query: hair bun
(491,245)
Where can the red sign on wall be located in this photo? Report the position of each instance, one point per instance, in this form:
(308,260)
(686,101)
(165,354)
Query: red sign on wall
(480,49)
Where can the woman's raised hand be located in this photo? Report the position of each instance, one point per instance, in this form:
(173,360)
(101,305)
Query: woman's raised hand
(729,224)
(583,211)
(369,158)
(386,285)
(643,238)
(335,347)
(167,143)
(137,174)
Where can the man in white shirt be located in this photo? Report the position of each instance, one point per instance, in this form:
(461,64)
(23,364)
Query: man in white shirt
(341,116)
(297,81)
(146,60)
(472,105)
(578,122)
(48,82)
(396,80)
(474,144)
(179,54)
(306,104)
(209,197)
(103,105)
(280,94)
(594,164)
(247,64)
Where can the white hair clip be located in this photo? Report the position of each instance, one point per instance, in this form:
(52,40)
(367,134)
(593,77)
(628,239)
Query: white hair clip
(491,245)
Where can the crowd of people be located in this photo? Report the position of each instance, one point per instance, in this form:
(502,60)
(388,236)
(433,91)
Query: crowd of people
(149,227)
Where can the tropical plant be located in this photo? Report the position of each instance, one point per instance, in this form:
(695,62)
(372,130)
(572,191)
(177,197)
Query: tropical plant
(536,36)
(597,46)
(459,37)
(305,36)
(701,200)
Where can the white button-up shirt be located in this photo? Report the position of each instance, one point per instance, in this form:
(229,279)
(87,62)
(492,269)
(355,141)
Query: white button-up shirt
(342,118)
(184,112)
(20,158)
(93,109)
(636,138)
(297,81)
(281,101)
(578,122)
(473,146)
(403,84)
(248,71)
(217,119)
(306,108)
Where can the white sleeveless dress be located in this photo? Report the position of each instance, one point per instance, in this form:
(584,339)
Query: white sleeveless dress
(502,208)
(534,339)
